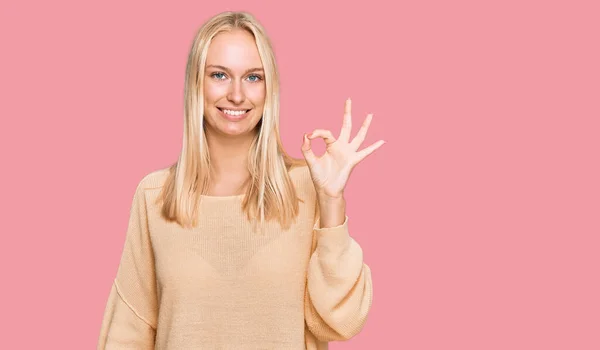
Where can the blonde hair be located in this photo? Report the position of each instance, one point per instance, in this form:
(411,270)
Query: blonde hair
(271,193)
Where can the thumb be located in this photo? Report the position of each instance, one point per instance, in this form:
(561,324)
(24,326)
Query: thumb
(307,151)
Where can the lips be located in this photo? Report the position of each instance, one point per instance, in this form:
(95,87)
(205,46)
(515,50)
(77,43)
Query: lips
(233,117)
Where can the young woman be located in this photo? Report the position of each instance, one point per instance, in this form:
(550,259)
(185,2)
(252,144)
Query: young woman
(238,245)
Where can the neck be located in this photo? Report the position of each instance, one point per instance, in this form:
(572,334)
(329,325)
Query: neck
(228,155)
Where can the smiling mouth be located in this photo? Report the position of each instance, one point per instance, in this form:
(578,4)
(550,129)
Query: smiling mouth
(234,115)
(233,112)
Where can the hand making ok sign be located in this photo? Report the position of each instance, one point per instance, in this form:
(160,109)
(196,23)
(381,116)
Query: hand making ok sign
(330,171)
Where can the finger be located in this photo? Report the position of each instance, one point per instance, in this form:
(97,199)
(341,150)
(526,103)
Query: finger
(365,152)
(325,134)
(347,124)
(307,150)
(360,136)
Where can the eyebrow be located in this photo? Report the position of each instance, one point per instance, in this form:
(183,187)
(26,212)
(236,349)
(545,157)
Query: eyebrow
(227,69)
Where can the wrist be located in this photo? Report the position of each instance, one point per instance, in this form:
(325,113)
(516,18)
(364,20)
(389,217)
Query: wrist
(323,197)
(332,211)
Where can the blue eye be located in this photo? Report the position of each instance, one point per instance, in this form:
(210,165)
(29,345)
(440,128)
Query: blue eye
(258,78)
(214,75)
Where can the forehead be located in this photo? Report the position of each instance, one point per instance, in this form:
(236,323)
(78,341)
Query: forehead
(235,50)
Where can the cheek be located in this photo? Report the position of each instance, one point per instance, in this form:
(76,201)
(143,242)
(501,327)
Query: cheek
(257,96)
(213,92)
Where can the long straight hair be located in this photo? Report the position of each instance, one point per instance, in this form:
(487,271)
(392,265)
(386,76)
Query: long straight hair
(271,193)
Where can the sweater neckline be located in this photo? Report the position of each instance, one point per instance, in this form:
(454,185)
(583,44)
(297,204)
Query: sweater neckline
(237,196)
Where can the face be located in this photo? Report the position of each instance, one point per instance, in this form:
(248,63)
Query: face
(234,85)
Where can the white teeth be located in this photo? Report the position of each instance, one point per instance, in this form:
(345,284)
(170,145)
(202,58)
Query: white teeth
(227,111)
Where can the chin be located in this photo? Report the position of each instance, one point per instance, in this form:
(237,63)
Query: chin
(234,131)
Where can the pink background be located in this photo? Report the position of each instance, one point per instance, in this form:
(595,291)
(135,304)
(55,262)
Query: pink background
(479,217)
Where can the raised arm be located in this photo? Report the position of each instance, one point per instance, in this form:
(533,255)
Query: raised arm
(339,289)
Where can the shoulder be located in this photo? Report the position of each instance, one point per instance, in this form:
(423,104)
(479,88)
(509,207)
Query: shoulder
(299,173)
(154,179)
(300,176)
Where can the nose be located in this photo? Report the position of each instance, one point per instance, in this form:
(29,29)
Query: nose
(236,93)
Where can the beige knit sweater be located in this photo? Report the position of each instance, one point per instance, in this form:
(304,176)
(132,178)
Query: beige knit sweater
(222,286)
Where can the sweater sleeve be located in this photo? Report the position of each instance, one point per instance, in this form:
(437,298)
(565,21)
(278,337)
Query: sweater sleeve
(130,316)
(339,289)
